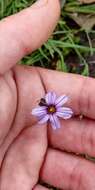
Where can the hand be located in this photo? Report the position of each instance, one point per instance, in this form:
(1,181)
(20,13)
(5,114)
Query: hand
(28,152)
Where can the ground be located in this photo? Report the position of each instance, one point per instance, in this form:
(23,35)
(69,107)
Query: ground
(71,48)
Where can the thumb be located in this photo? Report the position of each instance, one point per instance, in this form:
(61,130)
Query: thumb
(26,31)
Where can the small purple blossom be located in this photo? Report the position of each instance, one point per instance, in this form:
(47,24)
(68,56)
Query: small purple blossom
(51,109)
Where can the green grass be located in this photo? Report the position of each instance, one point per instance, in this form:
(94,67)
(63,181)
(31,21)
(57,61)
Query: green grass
(65,40)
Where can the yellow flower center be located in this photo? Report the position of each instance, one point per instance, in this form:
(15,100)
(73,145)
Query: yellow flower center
(51,109)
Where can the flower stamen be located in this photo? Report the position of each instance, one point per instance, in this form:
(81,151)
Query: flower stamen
(51,109)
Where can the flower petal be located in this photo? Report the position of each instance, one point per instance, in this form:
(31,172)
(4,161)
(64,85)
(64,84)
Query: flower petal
(41,110)
(54,122)
(53,97)
(61,100)
(43,119)
(64,112)
(50,98)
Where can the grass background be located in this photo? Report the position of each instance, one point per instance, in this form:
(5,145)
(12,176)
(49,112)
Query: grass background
(71,47)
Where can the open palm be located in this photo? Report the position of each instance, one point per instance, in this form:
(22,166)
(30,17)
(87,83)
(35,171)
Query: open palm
(30,152)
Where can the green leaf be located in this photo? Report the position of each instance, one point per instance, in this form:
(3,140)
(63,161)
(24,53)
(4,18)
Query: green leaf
(85,72)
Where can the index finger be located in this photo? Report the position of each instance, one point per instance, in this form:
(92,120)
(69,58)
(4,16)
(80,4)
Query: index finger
(26,31)
(81,90)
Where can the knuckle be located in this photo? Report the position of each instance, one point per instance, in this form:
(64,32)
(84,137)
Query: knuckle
(88,137)
(84,96)
(76,177)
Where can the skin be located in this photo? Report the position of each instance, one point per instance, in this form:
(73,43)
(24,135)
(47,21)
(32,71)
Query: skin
(28,152)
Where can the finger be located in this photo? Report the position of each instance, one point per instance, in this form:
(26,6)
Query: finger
(28,95)
(75,135)
(21,166)
(80,90)
(68,172)
(8,104)
(24,32)
(40,187)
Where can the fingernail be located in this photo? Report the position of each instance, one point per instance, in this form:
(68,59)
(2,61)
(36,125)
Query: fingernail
(41,2)
(62,2)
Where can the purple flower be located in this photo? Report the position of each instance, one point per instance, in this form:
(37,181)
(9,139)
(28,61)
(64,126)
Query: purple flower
(51,108)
